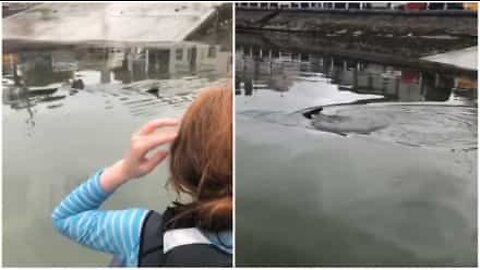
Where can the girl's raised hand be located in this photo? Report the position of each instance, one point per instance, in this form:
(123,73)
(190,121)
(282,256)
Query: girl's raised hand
(137,161)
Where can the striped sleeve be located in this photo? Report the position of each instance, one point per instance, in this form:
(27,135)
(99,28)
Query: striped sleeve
(116,232)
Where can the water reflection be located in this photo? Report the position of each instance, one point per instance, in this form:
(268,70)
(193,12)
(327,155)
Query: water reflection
(100,65)
(397,188)
(265,68)
(310,76)
(68,111)
(171,73)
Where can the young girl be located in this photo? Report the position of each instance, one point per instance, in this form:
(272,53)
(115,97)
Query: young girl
(193,233)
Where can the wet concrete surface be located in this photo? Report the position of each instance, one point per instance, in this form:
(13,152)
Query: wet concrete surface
(396,23)
(79,22)
(346,162)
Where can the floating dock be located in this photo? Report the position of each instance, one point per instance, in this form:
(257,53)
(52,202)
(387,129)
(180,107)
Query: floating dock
(464,58)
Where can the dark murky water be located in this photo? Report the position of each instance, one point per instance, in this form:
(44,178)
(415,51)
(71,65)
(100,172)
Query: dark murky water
(68,111)
(341,162)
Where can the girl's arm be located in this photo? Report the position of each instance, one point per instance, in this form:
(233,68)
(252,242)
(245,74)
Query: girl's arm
(116,232)
(78,218)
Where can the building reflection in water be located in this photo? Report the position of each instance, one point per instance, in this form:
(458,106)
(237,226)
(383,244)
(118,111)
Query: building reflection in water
(122,64)
(259,68)
(45,75)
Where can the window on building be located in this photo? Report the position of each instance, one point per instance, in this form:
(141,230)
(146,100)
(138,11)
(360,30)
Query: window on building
(179,54)
(212,52)
(340,5)
(353,5)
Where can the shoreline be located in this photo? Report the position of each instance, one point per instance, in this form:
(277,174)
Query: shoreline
(300,42)
(328,21)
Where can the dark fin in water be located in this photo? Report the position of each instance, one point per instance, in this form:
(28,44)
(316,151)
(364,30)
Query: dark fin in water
(309,114)
(154,91)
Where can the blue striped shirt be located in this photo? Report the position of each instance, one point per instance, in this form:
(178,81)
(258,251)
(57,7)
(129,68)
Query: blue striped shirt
(116,232)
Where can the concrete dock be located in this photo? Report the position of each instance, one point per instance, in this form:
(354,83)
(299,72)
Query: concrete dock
(464,58)
(121,22)
(395,23)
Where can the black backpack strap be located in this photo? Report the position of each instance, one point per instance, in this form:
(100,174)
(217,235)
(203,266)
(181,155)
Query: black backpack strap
(192,255)
(151,241)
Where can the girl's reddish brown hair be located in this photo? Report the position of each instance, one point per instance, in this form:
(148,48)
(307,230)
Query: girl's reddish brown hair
(201,159)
